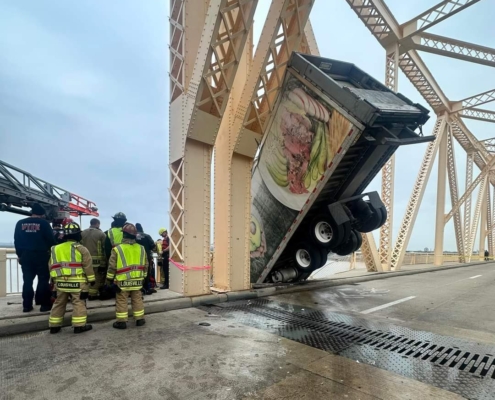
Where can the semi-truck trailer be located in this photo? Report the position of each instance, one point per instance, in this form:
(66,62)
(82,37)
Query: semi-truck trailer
(331,131)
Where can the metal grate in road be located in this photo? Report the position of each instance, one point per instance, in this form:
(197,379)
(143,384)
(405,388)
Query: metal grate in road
(453,364)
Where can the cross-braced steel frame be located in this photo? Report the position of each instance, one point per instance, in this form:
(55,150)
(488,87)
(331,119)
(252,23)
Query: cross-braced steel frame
(222,96)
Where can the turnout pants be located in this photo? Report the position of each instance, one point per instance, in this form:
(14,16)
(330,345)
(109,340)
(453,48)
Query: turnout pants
(33,265)
(100,277)
(79,313)
(121,307)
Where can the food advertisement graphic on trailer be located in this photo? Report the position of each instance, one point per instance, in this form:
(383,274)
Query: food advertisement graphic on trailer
(304,136)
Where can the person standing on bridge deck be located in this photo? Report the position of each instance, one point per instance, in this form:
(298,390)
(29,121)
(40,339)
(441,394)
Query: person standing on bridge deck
(147,242)
(113,238)
(33,238)
(71,269)
(487,255)
(165,255)
(94,240)
(114,234)
(127,268)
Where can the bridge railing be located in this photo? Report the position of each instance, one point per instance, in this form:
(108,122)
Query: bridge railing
(11,273)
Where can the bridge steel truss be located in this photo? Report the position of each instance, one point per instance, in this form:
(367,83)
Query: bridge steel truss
(222,96)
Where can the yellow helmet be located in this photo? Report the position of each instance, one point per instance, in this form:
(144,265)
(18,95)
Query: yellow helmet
(161,231)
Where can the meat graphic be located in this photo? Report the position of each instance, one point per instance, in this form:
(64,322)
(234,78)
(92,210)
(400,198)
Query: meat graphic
(297,139)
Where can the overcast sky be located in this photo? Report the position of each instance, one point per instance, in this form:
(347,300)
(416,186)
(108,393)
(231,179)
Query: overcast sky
(84,98)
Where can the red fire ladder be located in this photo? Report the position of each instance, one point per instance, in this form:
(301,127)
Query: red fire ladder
(20,189)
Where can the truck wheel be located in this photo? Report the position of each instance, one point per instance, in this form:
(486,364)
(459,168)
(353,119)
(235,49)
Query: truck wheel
(348,247)
(307,257)
(325,232)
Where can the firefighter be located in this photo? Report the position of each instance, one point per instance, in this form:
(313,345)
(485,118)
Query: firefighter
(94,240)
(71,269)
(147,242)
(33,239)
(159,259)
(164,251)
(114,234)
(113,238)
(127,269)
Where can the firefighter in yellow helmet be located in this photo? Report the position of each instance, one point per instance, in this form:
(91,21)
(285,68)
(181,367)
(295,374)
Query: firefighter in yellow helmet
(71,269)
(127,268)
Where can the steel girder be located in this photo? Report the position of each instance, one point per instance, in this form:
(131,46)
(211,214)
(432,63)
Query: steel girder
(207,43)
(478,114)
(382,24)
(435,15)
(448,47)
(454,195)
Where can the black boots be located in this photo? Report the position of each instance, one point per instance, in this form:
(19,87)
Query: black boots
(123,325)
(45,308)
(120,325)
(81,329)
(93,298)
(77,329)
(27,309)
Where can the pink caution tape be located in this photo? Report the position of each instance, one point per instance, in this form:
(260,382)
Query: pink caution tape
(183,267)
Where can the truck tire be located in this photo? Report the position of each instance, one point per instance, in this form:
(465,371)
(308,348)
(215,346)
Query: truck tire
(324,256)
(325,232)
(360,241)
(307,257)
(350,246)
(384,215)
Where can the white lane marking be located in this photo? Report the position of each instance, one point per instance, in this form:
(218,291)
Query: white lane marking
(370,310)
(476,276)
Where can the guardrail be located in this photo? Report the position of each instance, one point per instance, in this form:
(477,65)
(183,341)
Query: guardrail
(11,273)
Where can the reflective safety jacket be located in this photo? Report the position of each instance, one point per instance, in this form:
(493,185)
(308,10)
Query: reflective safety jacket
(127,265)
(71,267)
(115,235)
(94,240)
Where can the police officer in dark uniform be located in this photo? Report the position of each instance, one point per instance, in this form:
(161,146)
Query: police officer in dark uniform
(33,239)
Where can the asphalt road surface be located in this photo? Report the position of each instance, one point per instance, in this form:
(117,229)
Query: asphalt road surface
(445,301)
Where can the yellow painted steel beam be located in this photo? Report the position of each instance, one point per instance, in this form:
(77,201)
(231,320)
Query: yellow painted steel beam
(197,105)
(417,194)
(435,15)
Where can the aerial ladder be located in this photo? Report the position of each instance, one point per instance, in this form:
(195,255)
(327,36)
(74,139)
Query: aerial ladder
(20,189)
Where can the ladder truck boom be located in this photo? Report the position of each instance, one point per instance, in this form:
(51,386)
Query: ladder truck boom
(20,189)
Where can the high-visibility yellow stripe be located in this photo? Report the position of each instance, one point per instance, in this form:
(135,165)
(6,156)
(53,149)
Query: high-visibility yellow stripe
(56,320)
(122,314)
(138,313)
(110,277)
(79,319)
(91,278)
(92,292)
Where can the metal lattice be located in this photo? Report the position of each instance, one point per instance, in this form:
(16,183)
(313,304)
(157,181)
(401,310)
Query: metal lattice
(177,48)
(454,195)
(417,194)
(287,38)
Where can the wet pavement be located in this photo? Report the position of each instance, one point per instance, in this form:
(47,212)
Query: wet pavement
(173,357)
